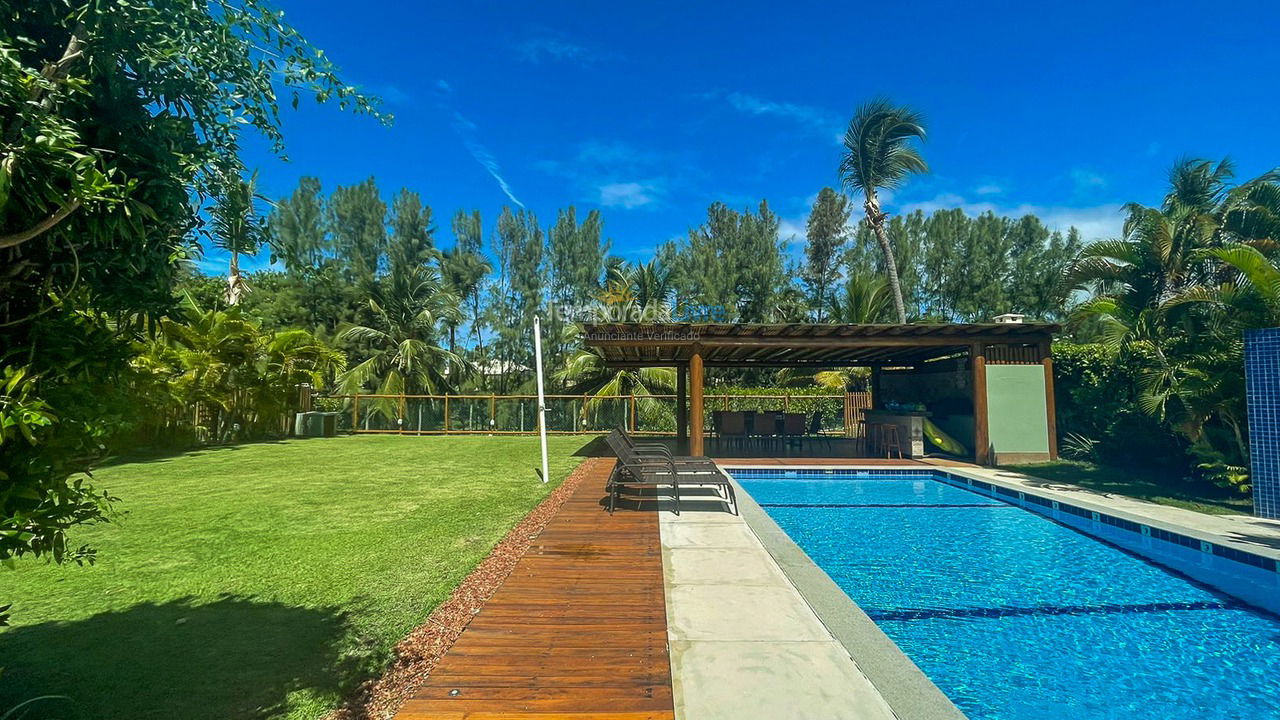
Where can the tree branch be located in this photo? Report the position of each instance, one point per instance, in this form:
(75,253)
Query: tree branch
(16,239)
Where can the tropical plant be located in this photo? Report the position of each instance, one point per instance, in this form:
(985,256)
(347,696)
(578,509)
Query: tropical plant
(586,372)
(239,381)
(409,311)
(115,117)
(1181,285)
(463,271)
(863,299)
(879,156)
(238,227)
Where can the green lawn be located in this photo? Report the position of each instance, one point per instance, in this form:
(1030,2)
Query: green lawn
(1156,488)
(261,580)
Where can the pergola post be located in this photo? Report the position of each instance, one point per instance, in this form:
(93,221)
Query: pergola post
(695,402)
(1046,359)
(981,433)
(682,408)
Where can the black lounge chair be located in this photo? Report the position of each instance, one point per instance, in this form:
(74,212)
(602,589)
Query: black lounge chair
(636,470)
(696,462)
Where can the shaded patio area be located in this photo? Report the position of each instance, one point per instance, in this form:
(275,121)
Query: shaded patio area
(985,390)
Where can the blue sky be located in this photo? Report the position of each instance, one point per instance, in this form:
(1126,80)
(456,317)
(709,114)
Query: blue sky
(652,111)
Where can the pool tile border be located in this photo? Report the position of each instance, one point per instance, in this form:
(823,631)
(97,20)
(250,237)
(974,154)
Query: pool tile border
(1014,496)
(1001,492)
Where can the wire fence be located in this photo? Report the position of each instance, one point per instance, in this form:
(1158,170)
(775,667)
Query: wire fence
(839,414)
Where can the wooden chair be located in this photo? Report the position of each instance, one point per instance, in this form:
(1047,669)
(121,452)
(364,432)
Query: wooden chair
(889,440)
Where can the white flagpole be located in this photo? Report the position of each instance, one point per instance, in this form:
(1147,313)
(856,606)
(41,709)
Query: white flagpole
(542,400)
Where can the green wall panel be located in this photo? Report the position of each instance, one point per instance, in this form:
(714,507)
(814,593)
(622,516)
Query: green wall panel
(1016,413)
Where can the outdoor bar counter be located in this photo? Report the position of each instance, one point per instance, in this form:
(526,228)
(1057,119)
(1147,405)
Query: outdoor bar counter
(910,427)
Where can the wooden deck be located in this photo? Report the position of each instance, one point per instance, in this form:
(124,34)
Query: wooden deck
(578,630)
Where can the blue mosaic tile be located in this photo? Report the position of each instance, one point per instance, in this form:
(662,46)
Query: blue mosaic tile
(1014,497)
(1262,391)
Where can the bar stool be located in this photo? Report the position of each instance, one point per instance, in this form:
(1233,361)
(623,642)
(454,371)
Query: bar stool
(870,438)
(889,439)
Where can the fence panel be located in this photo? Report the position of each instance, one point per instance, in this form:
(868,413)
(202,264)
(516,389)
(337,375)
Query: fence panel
(841,414)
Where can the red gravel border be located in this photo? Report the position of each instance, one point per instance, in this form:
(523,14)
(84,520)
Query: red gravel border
(417,654)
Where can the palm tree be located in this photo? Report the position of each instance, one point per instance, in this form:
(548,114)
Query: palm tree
(586,372)
(1174,293)
(463,271)
(409,309)
(238,227)
(864,299)
(879,156)
(636,292)
(1163,256)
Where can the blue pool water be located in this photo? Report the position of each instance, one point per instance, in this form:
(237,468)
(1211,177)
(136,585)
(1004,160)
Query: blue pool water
(1017,617)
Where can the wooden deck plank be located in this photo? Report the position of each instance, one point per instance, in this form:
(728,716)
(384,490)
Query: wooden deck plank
(578,629)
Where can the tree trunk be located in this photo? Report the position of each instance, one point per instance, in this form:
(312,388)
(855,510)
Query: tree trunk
(233,279)
(877,218)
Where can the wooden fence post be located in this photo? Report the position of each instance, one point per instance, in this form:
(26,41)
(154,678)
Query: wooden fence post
(446,414)
(493,412)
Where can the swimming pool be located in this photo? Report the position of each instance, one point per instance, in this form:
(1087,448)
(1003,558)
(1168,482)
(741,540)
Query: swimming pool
(1015,616)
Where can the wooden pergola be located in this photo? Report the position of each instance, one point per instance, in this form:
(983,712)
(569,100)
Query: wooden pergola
(692,347)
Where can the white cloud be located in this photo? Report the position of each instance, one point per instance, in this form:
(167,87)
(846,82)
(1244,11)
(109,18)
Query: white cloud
(628,194)
(816,119)
(615,174)
(1094,223)
(1085,179)
(793,230)
(990,189)
(554,47)
(467,133)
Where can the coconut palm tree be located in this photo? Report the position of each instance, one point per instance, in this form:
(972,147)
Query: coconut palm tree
(463,271)
(864,299)
(879,155)
(238,227)
(586,372)
(409,309)
(1162,255)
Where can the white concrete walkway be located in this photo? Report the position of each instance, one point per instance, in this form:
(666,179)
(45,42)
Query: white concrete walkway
(744,643)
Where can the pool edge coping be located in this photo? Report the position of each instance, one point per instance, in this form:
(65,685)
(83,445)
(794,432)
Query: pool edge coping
(910,694)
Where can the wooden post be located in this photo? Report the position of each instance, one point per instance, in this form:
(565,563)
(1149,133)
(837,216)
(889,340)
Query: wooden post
(786,402)
(682,408)
(1051,412)
(633,412)
(695,402)
(493,412)
(355,415)
(981,433)
(446,414)
(404,405)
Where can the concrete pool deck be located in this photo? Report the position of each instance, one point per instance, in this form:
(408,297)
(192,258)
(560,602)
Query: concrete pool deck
(757,630)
